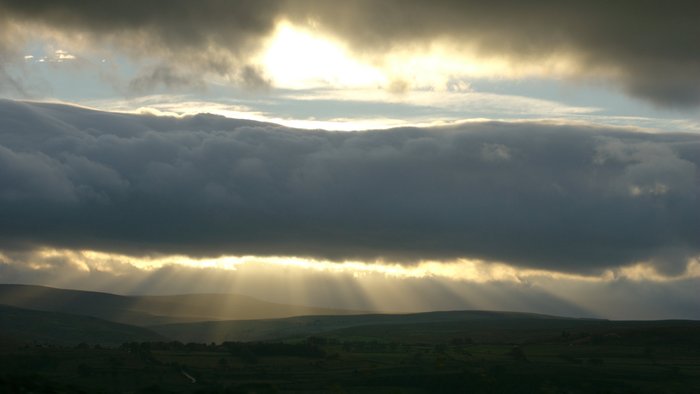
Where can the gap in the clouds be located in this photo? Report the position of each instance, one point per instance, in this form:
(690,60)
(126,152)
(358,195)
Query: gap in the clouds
(350,110)
(466,270)
(310,94)
(461,270)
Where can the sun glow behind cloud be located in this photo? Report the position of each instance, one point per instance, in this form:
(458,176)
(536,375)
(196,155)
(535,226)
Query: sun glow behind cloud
(296,58)
(413,85)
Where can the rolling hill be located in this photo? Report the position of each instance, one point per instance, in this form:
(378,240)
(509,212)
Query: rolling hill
(23,325)
(387,324)
(152,310)
(438,327)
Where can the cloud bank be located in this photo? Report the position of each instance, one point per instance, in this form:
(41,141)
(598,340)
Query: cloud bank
(566,198)
(647,49)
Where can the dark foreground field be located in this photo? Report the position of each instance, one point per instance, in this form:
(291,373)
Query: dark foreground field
(659,357)
(66,341)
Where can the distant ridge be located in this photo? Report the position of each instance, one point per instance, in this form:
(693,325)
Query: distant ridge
(152,310)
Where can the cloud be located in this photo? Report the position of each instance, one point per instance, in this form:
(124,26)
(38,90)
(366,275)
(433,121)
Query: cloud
(567,198)
(185,38)
(649,51)
(166,77)
(178,24)
(253,78)
(8,82)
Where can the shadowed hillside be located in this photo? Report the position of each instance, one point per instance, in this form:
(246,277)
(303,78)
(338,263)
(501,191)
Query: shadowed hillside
(429,327)
(449,351)
(269,329)
(22,325)
(152,310)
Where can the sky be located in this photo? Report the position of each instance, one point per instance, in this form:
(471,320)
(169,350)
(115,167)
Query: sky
(393,156)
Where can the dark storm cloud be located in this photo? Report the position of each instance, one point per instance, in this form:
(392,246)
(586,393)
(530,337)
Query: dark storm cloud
(647,48)
(571,198)
(176,23)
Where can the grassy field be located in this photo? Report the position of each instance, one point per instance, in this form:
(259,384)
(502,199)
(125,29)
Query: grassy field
(630,357)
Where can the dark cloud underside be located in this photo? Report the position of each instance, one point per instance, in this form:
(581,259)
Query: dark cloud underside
(569,198)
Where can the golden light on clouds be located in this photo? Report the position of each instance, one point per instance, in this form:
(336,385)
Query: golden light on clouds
(296,58)
(466,270)
(302,58)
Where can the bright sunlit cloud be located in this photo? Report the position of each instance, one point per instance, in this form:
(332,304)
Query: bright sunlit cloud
(296,58)
(465,270)
(302,58)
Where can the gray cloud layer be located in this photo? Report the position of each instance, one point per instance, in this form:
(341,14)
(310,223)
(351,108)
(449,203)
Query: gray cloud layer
(650,50)
(569,198)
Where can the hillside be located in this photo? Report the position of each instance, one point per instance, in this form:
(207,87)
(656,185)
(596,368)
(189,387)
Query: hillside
(23,325)
(269,329)
(462,351)
(152,310)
